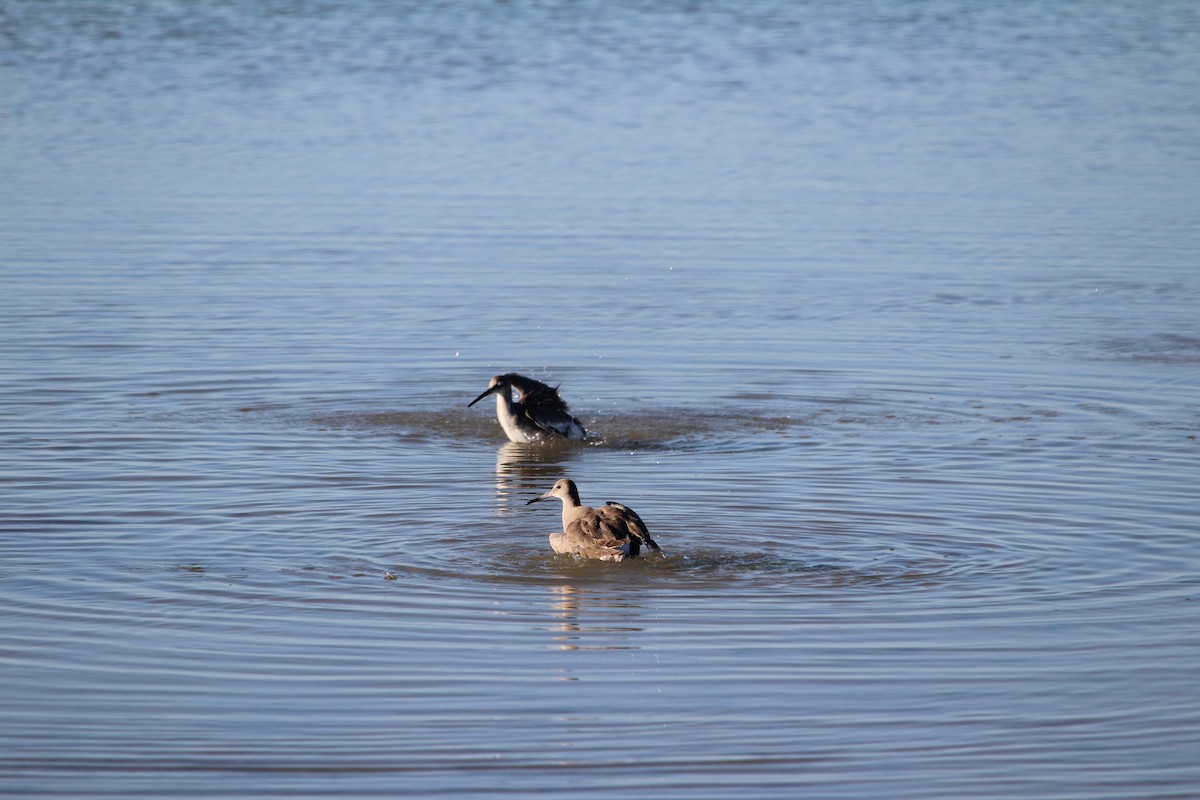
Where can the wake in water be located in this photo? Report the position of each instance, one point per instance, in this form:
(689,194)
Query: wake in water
(667,429)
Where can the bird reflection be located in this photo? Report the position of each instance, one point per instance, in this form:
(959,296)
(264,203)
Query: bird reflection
(522,467)
(588,619)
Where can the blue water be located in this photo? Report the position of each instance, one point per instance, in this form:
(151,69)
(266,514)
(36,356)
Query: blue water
(883,316)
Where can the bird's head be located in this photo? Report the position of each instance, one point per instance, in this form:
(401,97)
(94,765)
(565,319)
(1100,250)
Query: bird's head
(564,489)
(498,383)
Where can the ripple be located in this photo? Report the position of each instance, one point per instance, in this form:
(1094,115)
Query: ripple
(1157,348)
(658,429)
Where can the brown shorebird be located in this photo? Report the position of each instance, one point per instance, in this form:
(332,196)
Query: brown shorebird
(537,414)
(612,532)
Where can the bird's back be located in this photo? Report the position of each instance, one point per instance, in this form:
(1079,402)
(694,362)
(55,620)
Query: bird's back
(612,531)
(542,407)
(536,394)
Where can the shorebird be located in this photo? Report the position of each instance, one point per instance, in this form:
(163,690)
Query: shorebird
(613,532)
(538,412)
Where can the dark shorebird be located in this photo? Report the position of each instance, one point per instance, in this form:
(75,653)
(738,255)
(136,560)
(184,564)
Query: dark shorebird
(538,412)
(612,532)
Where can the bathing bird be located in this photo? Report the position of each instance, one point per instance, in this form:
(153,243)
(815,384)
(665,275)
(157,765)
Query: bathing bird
(538,412)
(613,532)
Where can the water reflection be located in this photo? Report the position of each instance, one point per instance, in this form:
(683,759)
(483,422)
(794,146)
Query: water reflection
(523,469)
(593,619)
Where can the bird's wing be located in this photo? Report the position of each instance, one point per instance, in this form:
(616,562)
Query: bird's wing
(634,526)
(542,407)
(554,421)
(596,535)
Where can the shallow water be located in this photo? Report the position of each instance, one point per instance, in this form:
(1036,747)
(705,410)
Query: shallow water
(883,317)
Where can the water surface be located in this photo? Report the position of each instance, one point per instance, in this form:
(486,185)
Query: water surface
(883,316)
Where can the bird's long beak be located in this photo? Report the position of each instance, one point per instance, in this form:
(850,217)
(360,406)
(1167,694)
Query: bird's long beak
(488,391)
(546,496)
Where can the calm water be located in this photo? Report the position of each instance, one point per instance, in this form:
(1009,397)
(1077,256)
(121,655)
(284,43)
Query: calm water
(885,316)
